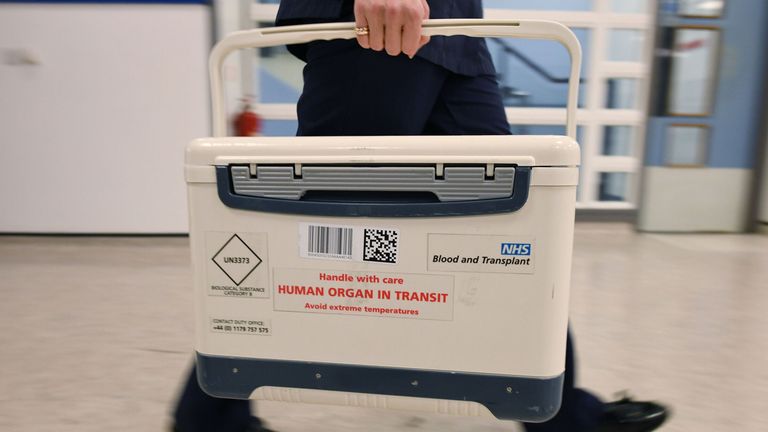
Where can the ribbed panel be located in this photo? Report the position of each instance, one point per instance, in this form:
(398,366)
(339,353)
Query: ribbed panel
(365,400)
(458,183)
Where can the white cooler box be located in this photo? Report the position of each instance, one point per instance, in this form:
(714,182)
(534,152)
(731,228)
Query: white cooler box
(426,273)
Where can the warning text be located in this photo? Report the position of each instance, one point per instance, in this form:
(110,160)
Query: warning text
(378,294)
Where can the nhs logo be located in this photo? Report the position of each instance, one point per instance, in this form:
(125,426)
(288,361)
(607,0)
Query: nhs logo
(515,248)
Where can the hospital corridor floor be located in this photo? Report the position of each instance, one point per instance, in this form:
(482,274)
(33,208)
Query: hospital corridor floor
(96,333)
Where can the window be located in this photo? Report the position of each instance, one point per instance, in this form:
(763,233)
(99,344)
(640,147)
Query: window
(619,141)
(701,8)
(279,127)
(626,45)
(693,72)
(614,186)
(622,93)
(558,5)
(534,73)
(630,6)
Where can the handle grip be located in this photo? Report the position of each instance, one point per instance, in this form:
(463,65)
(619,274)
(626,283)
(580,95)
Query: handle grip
(514,202)
(527,29)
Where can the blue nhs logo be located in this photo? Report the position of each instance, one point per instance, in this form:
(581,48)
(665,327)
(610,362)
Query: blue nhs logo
(515,248)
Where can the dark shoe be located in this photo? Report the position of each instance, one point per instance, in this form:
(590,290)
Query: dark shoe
(258,426)
(627,415)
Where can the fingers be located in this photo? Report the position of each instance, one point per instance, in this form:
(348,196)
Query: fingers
(393,38)
(362,39)
(371,12)
(411,14)
(393,25)
(376,29)
(411,39)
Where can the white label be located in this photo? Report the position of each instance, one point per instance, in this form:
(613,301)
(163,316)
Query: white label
(399,295)
(324,241)
(481,253)
(241,326)
(237,265)
(349,243)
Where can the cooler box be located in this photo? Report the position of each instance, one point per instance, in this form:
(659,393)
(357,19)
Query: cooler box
(427,273)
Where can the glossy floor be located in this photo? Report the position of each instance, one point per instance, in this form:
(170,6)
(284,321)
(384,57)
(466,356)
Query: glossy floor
(96,333)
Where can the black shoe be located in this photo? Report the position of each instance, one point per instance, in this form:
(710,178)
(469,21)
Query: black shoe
(626,415)
(258,426)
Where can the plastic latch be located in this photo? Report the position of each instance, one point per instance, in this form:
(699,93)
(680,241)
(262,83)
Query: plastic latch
(490,171)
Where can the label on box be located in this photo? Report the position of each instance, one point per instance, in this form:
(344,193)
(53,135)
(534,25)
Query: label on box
(237,265)
(481,253)
(255,327)
(395,295)
(375,245)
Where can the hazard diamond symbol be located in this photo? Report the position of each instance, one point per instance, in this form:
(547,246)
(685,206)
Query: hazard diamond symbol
(236,260)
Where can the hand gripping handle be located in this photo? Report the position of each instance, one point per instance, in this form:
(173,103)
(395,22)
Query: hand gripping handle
(527,29)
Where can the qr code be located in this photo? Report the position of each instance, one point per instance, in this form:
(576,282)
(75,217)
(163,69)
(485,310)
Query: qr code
(380,246)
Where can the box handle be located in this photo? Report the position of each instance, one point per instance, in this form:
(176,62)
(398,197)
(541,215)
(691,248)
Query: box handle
(404,207)
(454,183)
(528,29)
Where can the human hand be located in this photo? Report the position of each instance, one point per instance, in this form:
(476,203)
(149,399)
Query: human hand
(393,25)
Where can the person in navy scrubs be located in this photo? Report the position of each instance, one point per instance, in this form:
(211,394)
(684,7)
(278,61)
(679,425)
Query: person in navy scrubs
(393,81)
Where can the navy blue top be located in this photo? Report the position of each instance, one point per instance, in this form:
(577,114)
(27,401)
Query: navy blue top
(459,54)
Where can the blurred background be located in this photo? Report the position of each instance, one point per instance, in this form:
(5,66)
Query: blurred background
(99,99)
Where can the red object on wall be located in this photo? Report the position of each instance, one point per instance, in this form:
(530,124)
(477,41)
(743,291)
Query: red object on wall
(247,122)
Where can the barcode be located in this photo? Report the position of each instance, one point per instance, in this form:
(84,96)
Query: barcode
(323,240)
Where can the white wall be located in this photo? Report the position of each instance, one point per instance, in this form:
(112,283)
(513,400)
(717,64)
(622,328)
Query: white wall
(695,199)
(92,137)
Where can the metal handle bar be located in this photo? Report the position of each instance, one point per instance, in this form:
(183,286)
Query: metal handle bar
(528,29)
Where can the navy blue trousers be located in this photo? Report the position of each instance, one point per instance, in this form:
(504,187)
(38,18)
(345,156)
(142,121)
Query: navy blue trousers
(352,91)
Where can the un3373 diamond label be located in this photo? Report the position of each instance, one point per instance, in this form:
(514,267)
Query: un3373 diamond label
(237,265)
